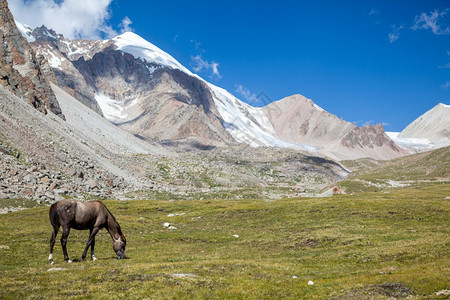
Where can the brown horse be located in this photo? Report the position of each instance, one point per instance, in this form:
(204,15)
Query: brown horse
(81,216)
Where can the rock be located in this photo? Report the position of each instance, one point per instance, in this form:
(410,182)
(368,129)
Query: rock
(50,195)
(443,293)
(25,79)
(56,269)
(30,179)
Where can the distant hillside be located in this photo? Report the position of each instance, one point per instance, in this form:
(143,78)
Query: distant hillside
(429,166)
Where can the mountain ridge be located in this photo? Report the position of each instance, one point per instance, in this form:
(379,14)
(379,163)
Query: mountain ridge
(219,118)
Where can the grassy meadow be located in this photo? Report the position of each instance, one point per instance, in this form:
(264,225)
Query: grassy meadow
(363,246)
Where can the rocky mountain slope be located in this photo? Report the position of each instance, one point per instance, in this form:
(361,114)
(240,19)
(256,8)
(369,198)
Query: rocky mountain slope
(144,90)
(297,119)
(45,158)
(21,72)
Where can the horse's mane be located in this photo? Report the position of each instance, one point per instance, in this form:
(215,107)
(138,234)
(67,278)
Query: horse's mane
(114,218)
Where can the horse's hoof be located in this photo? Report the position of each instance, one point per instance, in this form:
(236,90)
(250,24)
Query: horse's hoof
(69,261)
(94,258)
(51,262)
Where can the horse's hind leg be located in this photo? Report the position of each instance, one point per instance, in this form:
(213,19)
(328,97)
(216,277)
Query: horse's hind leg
(65,234)
(52,243)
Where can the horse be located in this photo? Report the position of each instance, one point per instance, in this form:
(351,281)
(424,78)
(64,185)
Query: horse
(82,216)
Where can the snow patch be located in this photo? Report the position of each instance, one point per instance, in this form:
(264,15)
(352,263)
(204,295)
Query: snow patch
(318,107)
(410,143)
(248,124)
(118,112)
(55,61)
(25,30)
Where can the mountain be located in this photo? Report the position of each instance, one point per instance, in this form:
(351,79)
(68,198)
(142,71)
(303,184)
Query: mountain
(44,157)
(147,92)
(297,119)
(433,125)
(21,71)
(429,131)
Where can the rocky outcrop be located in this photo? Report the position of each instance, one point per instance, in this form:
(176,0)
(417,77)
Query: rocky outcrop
(20,71)
(368,136)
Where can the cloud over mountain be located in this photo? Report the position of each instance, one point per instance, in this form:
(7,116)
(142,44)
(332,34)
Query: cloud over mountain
(73,18)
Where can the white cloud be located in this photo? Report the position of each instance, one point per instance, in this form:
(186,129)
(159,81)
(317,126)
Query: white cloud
(125,25)
(249,96)
(196,44)
(199,64)
(73,18)
(432,21)
(374,11)
(395,33)
(446,85)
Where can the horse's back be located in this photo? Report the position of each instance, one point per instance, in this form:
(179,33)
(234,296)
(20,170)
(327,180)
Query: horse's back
(78,215)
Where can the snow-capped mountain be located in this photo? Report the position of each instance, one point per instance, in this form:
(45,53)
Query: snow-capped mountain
(146,91)
(429,131)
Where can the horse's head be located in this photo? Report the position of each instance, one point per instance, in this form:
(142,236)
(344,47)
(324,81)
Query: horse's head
(119,247)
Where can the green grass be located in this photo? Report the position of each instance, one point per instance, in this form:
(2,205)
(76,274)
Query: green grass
(365,246)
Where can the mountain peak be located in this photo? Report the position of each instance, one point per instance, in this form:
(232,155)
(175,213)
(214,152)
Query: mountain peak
(43,33)
(137,46)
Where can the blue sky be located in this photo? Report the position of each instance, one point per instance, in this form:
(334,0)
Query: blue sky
(365,61)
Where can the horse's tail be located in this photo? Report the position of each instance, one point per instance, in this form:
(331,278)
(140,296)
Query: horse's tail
(53,215)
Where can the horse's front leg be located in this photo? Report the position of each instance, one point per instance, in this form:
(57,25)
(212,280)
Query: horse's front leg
(65,234)
(91,243)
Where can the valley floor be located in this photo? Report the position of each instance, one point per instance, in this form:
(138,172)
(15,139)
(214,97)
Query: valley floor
(384,245)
